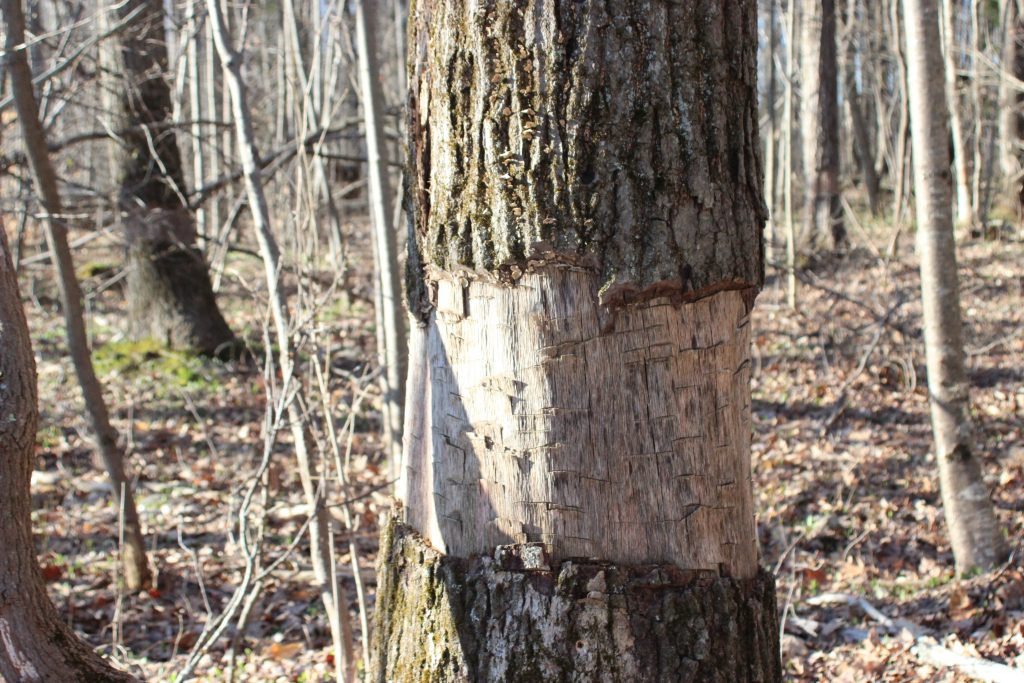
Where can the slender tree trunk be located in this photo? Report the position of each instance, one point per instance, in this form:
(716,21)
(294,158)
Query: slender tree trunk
(863,151)
(134,551)
(964,211)
(319,536)
(169,294)
(579,366)
(787,117)
(770,134)
(974,532)
(392,339)
(1011,106)
(823,210)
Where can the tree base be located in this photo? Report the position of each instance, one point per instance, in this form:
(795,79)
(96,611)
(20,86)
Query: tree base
(513,618)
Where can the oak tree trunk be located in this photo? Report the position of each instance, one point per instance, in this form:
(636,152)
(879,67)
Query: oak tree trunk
(169,294)
(974,532)
(587,201)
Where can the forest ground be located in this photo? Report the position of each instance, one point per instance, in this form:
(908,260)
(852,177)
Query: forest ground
(845,483)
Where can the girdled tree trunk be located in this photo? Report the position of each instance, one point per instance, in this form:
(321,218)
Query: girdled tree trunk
(974,531)
(587,200)
(819,68)
(168,286)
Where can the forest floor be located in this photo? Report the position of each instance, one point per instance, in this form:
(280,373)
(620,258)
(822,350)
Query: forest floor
(845,482)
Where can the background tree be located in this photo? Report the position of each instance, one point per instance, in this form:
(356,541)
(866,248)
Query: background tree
(819,119)
(975,534)
(579,373)
(169,293)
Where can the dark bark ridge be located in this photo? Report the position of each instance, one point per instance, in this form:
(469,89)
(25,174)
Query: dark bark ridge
(591,133)
(35,644)
(486,619)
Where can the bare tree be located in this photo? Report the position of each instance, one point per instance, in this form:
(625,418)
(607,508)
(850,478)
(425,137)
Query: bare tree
(974,532)
(169,294)
(819,69)
(579,364)
(135,565)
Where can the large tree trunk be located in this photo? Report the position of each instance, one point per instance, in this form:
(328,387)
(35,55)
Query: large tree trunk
(974,532)
(168,286)
(819,69)
(588,218)
(35,643)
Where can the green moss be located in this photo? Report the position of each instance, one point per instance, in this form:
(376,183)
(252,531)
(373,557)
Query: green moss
(147,356)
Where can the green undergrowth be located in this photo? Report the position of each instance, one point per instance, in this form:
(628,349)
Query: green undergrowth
(147,357)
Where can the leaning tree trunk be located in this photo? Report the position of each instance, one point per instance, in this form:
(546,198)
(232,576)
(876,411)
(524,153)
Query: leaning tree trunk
(974,532)
(819,68)
(588,211)
(136,566)
(168,286)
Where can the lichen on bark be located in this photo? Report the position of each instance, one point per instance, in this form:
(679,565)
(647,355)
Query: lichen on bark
(441,618)
(591,132)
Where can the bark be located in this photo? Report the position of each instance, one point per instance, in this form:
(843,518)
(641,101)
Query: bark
(951,54)
(169,294)
(581,621)
(974,532)
(35,643)
(823,210)
(1011,105)
(588,215)
(134,551)
(392,337)
(858,122)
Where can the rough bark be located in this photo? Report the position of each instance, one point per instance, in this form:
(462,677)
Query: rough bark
(819,69)
(169,294)
(134,551)
(35,643)
(587,202)
(513,617)
(974,532)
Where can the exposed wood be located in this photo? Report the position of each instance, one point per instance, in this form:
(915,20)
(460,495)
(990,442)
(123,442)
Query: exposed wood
(529,441)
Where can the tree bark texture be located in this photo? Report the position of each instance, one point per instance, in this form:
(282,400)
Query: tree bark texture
(169,294)
(587,200)
(511,617)
(819,69)
(35,643)
(974,532)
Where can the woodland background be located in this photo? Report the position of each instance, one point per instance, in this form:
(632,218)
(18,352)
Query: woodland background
(845,480)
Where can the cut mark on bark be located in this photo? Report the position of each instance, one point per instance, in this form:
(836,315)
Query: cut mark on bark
(25,668)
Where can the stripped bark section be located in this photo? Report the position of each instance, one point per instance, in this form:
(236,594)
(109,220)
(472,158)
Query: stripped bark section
(622,435)
(488,619)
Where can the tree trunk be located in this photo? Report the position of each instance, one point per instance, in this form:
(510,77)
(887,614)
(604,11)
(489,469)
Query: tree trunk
(1011,106)
(392,336)
(35,643)
(858,122)
(134,551)
(168,286)
(823,210)
(964,211)
(588,242)
(974,532)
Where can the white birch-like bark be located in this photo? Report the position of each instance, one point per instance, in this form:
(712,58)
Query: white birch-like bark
(974,532)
